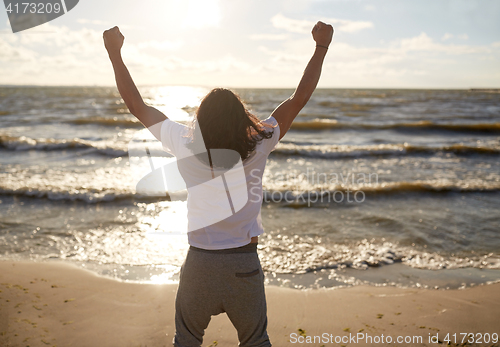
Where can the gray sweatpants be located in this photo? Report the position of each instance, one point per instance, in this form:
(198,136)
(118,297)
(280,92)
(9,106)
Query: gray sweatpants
(213,282)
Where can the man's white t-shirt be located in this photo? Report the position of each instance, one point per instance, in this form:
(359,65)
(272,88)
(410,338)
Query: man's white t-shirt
(239,227)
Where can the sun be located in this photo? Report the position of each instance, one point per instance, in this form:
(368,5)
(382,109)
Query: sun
(202,13)
(187,14)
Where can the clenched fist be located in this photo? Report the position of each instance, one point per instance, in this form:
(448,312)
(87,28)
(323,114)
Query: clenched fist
(322,33)
(113,40)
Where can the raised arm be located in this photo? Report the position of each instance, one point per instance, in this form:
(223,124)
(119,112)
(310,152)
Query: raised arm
(149,116)
(286,112)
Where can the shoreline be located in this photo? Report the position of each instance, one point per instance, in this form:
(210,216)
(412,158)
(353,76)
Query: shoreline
(397,274)
(59,304)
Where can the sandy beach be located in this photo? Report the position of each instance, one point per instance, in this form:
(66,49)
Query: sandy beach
(58,304)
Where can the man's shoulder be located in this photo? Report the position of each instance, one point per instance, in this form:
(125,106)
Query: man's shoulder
(266,145)
(174,136)
(270,121)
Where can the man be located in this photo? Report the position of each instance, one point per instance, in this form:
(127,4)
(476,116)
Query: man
(222,272)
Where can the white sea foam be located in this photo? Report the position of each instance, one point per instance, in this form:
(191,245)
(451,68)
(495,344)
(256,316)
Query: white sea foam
(300,255)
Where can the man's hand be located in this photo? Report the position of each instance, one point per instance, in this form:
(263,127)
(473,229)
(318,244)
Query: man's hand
(113,40)
(322,33)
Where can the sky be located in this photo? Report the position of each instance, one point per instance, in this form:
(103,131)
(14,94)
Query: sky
(262,44)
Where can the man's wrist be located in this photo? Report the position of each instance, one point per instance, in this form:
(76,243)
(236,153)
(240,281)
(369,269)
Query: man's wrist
(115,55)
(322,46)
(320,50)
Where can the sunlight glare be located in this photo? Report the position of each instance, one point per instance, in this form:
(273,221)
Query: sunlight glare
(202,13)
(177,102)
(170,223)
(166,277)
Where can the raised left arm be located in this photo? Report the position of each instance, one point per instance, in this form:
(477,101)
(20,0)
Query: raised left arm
(149,116)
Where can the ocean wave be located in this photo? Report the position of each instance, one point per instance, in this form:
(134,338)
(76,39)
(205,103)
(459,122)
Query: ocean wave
(117,149)
(108,121)
(91,186)
(82,194)
(23,143)
(320,124)
(433,186)
(299,195)
(305,194)
(323,124)
(346,106)
(287,254)
(350,151)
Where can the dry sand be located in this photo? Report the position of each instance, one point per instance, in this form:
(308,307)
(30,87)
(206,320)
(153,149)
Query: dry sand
(57,304)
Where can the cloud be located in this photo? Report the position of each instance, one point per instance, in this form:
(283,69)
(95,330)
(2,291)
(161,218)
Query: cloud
(412,57)
(78,57)
(303,26)
(161,45)
(64,56)
(102,23)
(268,37)
(92,21)
(349,26)
(293,25)
(447,36)
(11,53)
(53,55)
(423,42)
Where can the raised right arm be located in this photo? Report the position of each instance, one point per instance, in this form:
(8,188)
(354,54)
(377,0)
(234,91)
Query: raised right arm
(289,109)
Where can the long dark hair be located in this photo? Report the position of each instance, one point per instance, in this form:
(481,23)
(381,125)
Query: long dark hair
(226,123)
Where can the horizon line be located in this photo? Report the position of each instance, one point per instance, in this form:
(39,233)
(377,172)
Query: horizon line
(242,87)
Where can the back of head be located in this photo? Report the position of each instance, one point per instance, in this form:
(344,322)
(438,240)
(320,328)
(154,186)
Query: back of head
(226,123)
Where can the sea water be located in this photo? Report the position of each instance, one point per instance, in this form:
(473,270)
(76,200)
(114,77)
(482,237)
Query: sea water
(381,187)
